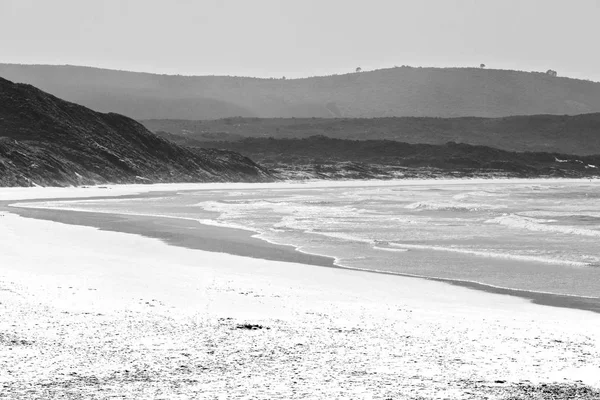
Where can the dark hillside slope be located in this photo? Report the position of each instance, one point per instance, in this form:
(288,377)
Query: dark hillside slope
(50,142)
(578,134)
(393,92)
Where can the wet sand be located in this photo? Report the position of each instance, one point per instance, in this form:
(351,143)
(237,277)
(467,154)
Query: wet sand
(194,235)
(180,232)
(545,299)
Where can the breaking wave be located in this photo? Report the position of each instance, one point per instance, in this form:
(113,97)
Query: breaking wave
(540,225)
(490,254)
(452,206)
(463,196)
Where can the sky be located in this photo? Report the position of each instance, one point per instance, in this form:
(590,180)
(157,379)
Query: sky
(299,38)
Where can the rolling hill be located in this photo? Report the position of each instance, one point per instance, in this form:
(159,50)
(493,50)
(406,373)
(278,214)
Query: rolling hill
(393,92)
(579,134)
(51,142)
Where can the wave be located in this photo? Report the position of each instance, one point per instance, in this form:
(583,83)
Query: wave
(212,222)
(559,214)
(452,206)
(299,248)
(344,236)
(403,247)
(389,249)
(463,196)
(282,207)
(410,221)
(299,216)
(540,225)
(495,255)
(339,262)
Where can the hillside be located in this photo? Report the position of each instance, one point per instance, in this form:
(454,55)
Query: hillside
(50,142)
(322,157)
(394,92)
(578,134)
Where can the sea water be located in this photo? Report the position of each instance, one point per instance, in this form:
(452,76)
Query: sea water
(539,236)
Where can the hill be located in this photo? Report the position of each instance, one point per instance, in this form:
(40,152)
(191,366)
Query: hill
(578,134)
(322,157)
(393,92)
(51,142)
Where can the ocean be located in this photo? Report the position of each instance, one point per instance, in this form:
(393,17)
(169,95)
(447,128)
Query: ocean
(541,237)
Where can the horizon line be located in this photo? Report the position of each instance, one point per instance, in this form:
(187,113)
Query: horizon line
(291,79)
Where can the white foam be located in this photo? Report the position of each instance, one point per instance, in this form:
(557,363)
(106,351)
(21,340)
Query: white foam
(558,214)
(540,225)
(491,254)
(389,249)
(479,193)
(299,248)
(345,236)
(402,247)
(219,224)
(451,206)
(302,216)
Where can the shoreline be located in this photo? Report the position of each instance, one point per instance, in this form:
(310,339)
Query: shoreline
(193,234)
(54,193)
(180,232)
(89,312)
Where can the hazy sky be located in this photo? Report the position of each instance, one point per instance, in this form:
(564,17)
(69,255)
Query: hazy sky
(302,37)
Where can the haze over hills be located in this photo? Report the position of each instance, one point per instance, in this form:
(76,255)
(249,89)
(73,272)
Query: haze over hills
(579,134)
(48,141)
(393,92)
(51,142)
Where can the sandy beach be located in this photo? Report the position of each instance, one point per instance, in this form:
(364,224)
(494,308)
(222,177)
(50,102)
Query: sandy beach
(109,313)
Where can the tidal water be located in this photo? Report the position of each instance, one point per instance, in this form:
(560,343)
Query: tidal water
(538,237)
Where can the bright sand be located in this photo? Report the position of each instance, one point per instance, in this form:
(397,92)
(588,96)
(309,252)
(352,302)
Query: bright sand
(95,313)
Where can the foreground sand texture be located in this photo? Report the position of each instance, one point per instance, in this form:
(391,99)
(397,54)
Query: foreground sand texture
(94,314)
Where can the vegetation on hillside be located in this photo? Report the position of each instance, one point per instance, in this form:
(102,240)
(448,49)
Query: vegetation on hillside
(50,142)
(368,158)
(399,91)
(578,134)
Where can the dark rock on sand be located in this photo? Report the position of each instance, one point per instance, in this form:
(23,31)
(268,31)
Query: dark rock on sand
(552,391)
(7,339)
(251,327)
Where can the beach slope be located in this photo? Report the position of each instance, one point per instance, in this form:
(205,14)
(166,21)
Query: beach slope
(88,313)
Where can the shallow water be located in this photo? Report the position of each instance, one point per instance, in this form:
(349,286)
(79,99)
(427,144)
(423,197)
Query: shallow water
(541,237)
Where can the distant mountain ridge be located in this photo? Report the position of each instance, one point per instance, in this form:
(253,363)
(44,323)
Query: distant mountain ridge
(579,134)
(393,92)
(51,142)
